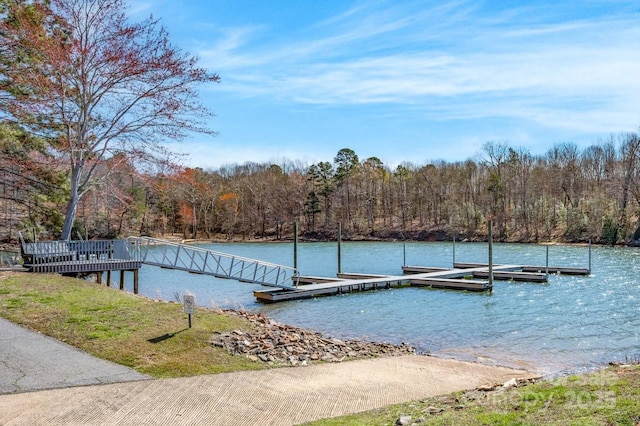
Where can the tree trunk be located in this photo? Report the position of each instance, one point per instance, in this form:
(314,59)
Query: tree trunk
(72,206)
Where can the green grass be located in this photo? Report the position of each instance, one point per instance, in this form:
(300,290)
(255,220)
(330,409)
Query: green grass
(121,327)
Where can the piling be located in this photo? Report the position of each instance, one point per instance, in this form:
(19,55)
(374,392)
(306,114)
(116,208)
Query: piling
(135,281)
(404,253)
(546,267)
(491,254)
(589,257)
(454,250)
(339,248)
(295,245)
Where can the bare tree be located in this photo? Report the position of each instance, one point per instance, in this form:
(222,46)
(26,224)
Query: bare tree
(96,85)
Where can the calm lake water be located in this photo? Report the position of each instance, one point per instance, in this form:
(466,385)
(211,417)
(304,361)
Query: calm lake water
(571,324)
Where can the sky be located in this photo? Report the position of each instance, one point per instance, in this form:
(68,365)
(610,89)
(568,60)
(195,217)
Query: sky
(405,81)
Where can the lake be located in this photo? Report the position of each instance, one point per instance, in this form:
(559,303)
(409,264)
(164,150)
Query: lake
(571,324)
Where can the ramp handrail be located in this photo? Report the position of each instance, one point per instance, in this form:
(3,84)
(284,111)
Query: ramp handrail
(198,260)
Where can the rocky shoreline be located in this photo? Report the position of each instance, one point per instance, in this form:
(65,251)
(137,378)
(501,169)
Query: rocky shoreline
(280,344)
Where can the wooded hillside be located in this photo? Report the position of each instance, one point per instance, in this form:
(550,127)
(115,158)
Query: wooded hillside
(569,194)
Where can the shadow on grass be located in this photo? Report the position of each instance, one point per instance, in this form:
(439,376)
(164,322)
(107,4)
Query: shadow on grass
(165,336)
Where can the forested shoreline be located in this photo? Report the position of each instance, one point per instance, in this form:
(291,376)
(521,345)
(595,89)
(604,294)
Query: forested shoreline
(566,195)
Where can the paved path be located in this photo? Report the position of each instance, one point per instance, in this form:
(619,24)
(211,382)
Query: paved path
(31,361)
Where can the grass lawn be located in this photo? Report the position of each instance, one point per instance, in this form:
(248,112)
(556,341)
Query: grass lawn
(150,336)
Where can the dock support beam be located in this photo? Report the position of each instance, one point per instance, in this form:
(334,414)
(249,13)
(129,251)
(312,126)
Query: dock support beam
(135,281)
(589,257)
(546,268)
(122,280)
(404,253)
(339,248)
(295,245)
(491,255)
(454,251)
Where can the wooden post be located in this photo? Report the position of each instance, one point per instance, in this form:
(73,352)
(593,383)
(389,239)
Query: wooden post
(109,278)
(491,254)
(135,281)
(122,271)
(295,245)
(99,277)
(339,248)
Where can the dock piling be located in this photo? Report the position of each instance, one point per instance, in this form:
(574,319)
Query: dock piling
(454,250)
(404,253)
(491,255)
(295,245)
(546,267)
(589,257)
(339,247)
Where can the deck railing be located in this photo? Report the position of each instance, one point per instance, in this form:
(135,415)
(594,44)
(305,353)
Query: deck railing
(80,256)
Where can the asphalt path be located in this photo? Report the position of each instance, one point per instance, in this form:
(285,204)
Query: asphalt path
(30,361)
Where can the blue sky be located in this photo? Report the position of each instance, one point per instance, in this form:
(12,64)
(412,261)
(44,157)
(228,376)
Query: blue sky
(406,81)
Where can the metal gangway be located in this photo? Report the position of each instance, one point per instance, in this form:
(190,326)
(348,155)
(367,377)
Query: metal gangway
(198,260)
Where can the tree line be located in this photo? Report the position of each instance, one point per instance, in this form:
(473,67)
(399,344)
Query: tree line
(568,194)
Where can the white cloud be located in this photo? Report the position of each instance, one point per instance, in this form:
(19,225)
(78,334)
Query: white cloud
(537,68)
(572,67)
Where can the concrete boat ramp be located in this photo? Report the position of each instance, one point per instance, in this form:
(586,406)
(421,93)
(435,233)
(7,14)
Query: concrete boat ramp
(463,276)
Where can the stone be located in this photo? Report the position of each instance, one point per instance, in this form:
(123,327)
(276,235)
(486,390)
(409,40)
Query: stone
(486,388)
(279,343)
(403,420)
(513,383)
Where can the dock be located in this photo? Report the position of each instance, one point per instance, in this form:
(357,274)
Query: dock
(443,278)
(463,276)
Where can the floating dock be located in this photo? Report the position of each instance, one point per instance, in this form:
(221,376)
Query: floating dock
(309,287)
(463,276)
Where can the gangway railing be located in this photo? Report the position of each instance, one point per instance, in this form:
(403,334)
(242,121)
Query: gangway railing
(198,260)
